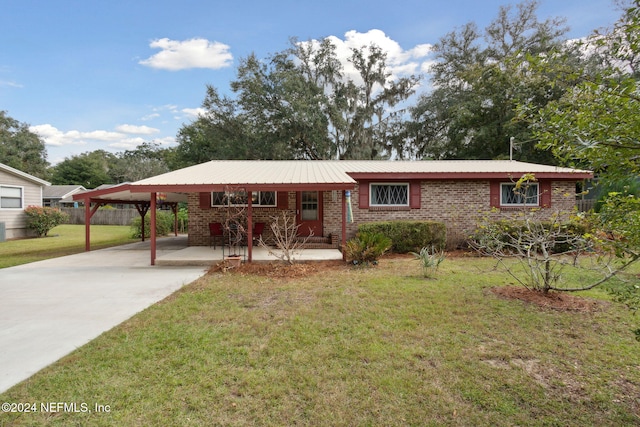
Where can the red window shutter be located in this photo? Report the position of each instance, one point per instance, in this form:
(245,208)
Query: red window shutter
(283,199)
(363,195)
(494,194)
(205,200)
(415,193)
(545,194)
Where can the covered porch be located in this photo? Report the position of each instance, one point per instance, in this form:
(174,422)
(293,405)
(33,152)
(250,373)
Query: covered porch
(175,251)
(200,182)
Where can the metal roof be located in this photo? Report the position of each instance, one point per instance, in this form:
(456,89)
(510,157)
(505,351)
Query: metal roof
(264,172)
(252,175)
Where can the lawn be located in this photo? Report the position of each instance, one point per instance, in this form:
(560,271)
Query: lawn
(62,240)
(349,346)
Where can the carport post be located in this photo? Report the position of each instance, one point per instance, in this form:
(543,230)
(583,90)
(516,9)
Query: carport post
(344,224)
(87,225)
(153,228)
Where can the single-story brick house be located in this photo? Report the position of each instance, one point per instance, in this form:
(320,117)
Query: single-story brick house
(17,191)
(316,193)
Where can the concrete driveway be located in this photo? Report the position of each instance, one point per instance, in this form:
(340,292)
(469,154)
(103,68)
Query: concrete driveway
(50,308)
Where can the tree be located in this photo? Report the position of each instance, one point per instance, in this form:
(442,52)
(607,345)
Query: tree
(89,169)
(148,159)
(477,86)
(595,123)
(20,148)
(298,104)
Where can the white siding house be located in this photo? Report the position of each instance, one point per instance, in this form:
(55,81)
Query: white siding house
(17,191)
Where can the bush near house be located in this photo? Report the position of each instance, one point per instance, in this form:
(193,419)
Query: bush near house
(366,248)
(509,231)
(43,219)
(164,225)
(409,236)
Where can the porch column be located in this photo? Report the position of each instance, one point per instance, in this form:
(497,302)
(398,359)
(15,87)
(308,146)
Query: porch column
(249,227)
(87,225)
(153,228)
(344,223)
(88,214)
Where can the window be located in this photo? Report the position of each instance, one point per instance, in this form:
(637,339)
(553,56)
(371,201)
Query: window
(389,194)
(239,198)
(10,197)
(527,195)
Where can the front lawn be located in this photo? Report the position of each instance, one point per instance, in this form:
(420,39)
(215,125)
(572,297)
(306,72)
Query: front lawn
(343,346)
(62,240)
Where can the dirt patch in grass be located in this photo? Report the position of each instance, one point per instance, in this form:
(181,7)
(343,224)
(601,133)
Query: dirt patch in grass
(281,270)
(553,300)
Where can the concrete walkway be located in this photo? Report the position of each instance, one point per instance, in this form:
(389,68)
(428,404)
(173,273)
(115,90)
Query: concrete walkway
(50,308)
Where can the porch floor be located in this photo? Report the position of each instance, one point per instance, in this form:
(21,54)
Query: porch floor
(178,253)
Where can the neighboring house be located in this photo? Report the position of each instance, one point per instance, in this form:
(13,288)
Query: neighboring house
(17,191)
(454,192)
(60,196)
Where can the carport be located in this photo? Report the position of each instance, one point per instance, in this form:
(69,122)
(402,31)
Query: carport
(249,176)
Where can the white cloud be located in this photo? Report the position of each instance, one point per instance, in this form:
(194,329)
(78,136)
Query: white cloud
(11,84)
(194,113)
(400,62)
(138,130)
(150,117)
(126,143)
(194,53)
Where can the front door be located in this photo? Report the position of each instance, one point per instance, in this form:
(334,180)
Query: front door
(309,213)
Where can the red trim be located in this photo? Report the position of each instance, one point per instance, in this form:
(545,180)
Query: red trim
(197,188)
(415,194)
(379,176)
(494,194)
(153,228)
(205,200)
(249,227)
(283,200)
(344,226)
(363,195)
(545,193)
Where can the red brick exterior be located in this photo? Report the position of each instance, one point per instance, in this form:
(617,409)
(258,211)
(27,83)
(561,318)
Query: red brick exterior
(457,203)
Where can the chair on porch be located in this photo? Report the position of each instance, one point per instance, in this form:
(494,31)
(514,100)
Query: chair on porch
(258,228)
(215,232)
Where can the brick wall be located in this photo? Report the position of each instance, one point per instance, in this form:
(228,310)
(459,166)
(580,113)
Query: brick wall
(459,204)
(199,219)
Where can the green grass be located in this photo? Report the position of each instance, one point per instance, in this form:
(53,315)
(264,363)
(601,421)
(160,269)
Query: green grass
(379,346)
(62,240)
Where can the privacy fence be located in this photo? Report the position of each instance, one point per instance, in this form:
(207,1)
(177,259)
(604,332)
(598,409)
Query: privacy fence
(103,216)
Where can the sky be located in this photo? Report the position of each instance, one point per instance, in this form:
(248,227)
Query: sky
(112,74)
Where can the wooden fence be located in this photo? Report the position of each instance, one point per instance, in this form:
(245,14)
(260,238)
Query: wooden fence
(103,216)
(585,205)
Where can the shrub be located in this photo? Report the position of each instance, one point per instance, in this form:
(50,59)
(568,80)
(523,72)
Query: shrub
(430,259)
(505,231)
(43,219)
(366,248)
(409,236)
(164,225)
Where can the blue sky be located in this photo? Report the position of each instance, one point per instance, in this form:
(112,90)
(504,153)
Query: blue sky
(111,74)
